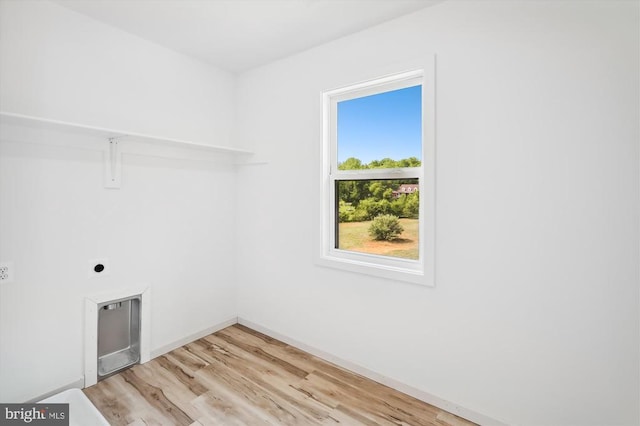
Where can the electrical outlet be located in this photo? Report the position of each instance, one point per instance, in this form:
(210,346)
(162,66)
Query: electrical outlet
(99,267)
(6,272)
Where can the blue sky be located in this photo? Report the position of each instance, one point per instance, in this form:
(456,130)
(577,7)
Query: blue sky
(383,125)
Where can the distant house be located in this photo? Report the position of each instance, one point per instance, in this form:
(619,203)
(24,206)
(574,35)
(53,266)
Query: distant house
(405,189)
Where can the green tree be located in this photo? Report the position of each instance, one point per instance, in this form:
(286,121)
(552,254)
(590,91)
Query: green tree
(345,212)
(409,162)
(354,192)
(373,207)
(412,205)
(351,163)
(377,189)
(385,227)
(397,205)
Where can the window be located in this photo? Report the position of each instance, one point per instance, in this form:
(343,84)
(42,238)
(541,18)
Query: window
(378,188)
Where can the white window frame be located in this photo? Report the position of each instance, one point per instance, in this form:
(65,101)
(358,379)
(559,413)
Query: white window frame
(421,271)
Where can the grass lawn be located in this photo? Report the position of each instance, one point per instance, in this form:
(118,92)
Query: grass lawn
(354,236)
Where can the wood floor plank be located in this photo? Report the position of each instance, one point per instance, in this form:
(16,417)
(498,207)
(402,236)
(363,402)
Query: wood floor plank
(308,362)
(344,398)
(184,376)
(238,376)
(300,359)
(157,398)
(267,407)
(262,354)
(130,408)
(370,399)
(113,407)
(187,360)
(224,408)
(241,358)
(272,379)
(350,416)
(176,388)
(448,419)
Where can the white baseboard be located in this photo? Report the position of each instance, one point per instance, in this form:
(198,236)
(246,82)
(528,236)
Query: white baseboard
(443,404)
(192,337)
(78,384)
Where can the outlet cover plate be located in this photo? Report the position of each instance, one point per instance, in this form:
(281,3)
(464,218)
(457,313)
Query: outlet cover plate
(6,272)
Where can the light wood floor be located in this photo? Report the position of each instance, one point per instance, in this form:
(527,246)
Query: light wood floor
(238,376)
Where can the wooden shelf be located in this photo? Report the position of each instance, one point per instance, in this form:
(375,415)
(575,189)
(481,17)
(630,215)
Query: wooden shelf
(39,122)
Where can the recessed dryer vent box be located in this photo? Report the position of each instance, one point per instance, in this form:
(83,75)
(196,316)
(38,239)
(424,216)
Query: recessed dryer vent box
(118,335)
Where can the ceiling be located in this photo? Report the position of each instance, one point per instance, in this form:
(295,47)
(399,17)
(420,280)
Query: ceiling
(237,35)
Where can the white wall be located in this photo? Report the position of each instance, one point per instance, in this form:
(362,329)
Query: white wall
(62,65)
(534,318)
(170,225)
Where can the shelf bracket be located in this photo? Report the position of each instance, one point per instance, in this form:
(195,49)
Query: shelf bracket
(112,164)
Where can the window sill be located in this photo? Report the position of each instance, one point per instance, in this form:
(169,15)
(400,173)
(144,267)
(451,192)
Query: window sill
(396,273)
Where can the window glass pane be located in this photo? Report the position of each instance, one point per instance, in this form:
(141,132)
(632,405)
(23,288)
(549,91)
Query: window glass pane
(378,217)
(381,130)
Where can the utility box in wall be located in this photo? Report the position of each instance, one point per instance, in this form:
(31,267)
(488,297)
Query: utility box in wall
(118,335)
